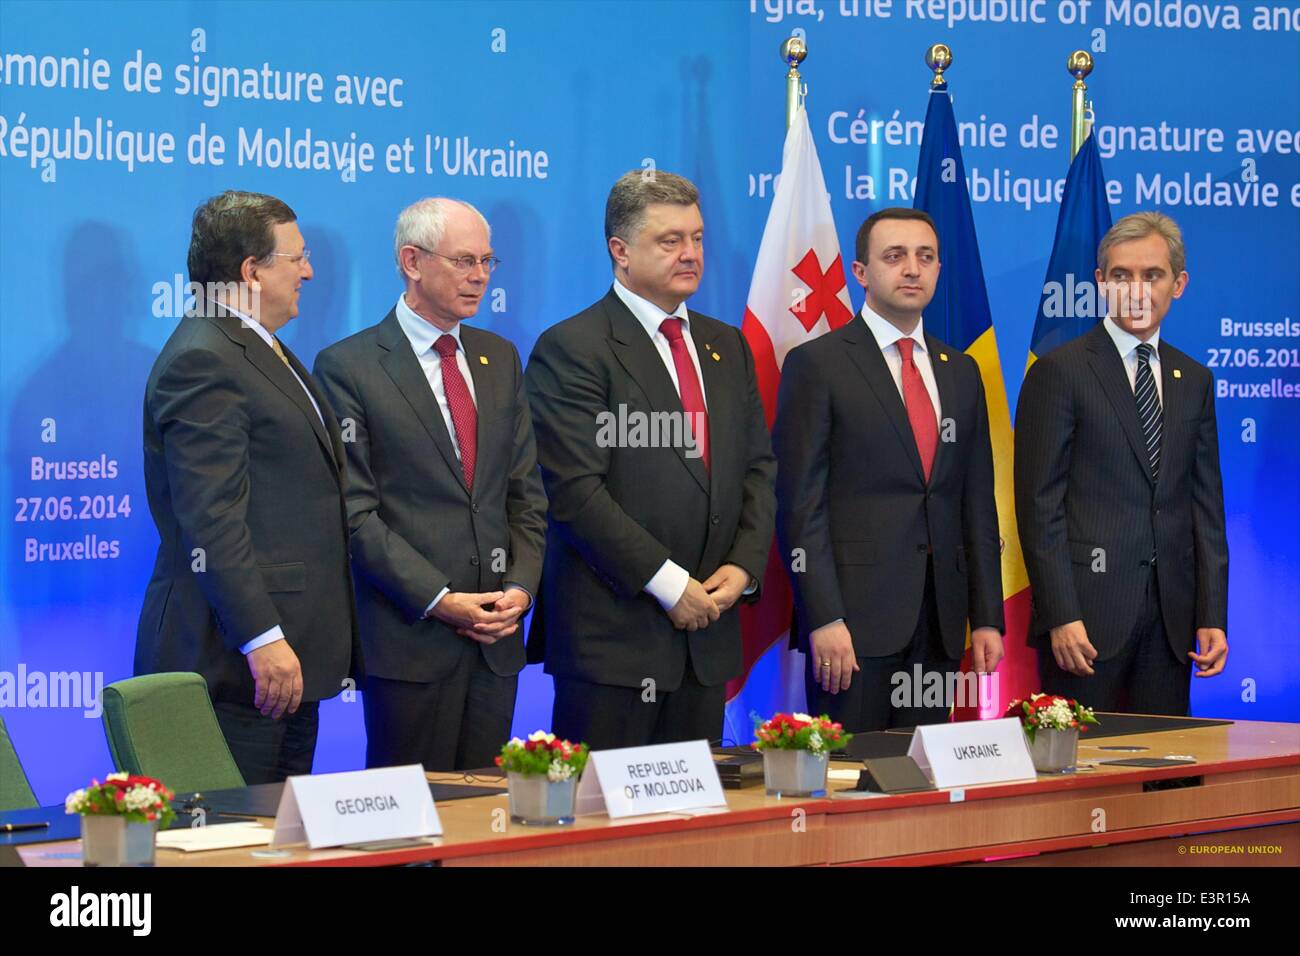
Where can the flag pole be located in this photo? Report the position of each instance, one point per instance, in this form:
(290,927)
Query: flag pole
(793,51)
(1079,65)
(938,58)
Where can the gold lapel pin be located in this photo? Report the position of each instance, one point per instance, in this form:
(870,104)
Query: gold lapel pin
(943,356)
(482,360)
(1178,373)
(717,357)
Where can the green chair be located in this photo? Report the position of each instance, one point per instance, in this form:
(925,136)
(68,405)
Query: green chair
(15,791)
(163,726)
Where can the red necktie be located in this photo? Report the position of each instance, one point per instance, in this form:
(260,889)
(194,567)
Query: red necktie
(463,414)
(688,385)
(920,410)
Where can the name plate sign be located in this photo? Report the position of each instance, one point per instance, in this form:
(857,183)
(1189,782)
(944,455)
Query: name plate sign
(661,778)
(331,809)
(973,751)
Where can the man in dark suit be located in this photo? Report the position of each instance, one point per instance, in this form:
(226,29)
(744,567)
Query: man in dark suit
(447,509)
(245,471)
(885,496)
(1118,493)
(658,467)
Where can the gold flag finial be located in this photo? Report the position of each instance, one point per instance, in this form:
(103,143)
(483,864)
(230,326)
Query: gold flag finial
(1079,65)
(938,58)
(794,50)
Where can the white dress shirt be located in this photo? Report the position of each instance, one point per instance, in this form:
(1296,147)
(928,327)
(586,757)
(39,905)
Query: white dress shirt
(275,633)
(887,336)
(422,335)
(1127,343)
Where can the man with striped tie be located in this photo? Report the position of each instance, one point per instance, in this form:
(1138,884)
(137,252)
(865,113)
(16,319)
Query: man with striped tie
(1119,496)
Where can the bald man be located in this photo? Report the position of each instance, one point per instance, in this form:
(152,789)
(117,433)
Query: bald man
(445,505)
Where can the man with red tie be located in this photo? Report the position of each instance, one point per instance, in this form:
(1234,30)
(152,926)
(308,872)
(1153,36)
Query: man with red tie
(658,467)
(885,497)
(446,508)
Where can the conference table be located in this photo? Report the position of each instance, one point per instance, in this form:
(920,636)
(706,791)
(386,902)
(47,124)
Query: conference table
(1239,804)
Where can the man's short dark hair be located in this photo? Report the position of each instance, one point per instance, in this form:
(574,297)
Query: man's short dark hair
(895,212)
(229,228)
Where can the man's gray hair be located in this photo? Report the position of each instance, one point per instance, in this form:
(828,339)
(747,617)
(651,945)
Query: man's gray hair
(638,188)
(1139,225)
(423,223)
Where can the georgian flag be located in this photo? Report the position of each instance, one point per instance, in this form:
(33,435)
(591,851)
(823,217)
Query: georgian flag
(798,292)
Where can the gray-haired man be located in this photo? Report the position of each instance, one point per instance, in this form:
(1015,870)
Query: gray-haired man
(653,540)
(447,511)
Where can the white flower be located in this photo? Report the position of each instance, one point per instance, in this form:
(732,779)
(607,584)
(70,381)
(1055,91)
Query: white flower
(559,771)
(541,735)
(75,801)
(815,742)
(117,776)
(515,742)
(804,717)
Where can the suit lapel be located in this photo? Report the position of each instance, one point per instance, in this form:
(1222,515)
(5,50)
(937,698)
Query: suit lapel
(400,364)
(333,437)
(1171,404)
(941,364)
(638,355)
(870,360)
(264,359)
(486,376)
(719,399)
(1109,369)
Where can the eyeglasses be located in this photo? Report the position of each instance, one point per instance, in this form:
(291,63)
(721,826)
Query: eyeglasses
(295,258)
(466,263)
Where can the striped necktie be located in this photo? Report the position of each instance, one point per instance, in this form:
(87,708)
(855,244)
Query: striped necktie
(1148,404)
(279,352)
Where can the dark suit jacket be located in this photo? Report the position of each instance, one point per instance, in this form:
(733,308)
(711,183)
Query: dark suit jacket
(238,464)
(852,496)
(1085,499)
(617,513)
(415,527)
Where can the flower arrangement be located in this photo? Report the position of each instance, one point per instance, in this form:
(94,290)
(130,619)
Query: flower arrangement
(140,799)
(817,735)
(1049,712)
(543,754)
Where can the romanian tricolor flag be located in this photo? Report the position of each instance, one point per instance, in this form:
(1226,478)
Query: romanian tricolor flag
(959,315)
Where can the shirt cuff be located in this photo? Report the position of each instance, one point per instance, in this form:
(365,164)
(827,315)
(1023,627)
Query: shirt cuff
(753,586)
(266,637)
(434,603)
(668,584)
(519,587)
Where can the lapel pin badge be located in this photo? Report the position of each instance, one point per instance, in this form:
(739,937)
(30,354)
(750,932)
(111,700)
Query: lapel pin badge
(482,360)
(943,356)
(717,357)
(1178,373)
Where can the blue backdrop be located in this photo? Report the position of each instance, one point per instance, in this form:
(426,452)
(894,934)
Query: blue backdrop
(94,231)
